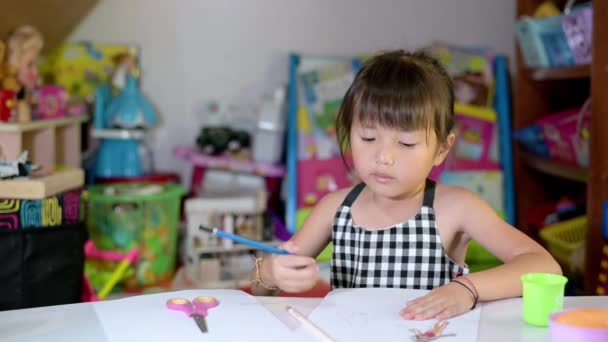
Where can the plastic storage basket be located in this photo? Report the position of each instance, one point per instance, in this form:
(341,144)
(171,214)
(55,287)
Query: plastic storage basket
(565,237)
(556,41)
(145,216)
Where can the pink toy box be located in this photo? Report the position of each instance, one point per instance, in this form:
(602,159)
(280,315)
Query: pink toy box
(476,146)
(566,135)
(51,102)
(319,177)
(578,29)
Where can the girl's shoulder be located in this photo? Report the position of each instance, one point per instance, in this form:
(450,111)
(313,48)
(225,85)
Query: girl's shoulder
(335,199)
(449,194)
(325,209)
(453,204)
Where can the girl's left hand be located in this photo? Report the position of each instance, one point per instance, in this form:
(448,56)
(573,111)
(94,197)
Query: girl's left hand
(441,303)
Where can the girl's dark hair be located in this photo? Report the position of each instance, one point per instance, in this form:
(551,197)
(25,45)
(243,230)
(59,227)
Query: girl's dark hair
(400,90)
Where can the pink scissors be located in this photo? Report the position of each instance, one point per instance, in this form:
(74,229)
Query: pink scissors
(197,309)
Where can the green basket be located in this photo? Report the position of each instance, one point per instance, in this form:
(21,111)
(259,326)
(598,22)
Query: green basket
(326,253)
(479,259)
(127,218)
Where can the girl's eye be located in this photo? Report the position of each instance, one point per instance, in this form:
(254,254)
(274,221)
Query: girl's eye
(406,144)
(368,139)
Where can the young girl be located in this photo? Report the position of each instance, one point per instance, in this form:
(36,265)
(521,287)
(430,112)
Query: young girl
(397,228)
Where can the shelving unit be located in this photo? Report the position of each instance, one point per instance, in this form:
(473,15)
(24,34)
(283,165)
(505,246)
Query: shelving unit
(181,280)
(191,275)
(200,162)
(549,167)
(238,281)
(49,142)
(547,74)
(538,92)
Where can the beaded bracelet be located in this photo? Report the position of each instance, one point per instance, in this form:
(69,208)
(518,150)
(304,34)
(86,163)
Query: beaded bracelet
(258,276)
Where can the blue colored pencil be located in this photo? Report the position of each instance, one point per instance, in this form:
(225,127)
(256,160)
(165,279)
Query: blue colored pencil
(239,239)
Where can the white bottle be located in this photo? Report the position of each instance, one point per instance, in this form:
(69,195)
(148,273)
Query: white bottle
(268,139)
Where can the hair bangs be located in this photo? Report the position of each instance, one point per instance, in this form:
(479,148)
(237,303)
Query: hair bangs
(398,90)
(404,111)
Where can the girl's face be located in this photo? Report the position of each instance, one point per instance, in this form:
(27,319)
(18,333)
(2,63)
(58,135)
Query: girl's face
(27,73)
(395,163)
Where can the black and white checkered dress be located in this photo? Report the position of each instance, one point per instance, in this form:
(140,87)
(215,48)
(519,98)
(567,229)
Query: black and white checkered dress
(408,255)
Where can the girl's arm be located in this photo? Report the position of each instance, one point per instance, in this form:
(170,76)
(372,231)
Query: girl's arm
(299,272)
(315,233)
(479,222)
(519,253)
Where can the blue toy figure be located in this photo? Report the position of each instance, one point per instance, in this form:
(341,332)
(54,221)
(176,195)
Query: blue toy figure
(120,123)
(130,109)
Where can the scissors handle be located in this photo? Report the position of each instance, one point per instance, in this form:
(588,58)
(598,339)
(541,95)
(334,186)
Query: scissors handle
(203,303)
(181,304)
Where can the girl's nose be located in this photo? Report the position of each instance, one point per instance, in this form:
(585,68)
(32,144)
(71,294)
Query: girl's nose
(385,157)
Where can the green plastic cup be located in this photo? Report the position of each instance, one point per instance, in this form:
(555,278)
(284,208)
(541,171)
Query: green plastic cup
(543,294)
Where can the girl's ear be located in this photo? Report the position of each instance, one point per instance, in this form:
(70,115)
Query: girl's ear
(444,148)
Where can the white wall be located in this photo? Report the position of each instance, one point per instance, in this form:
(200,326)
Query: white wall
(232,50)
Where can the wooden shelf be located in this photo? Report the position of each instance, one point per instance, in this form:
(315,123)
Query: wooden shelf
(560,73)
(42,186)
(555,168)
(49,142)
(545,90)
(196,157)
(182,281)
(41,124)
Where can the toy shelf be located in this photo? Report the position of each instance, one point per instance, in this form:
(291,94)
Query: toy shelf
(182,281)
(201,162)
(538,92)
(189,276)
(40,124)
(42,186)
(553,168)
(227,284)
(197,158)
(564,73)
(49,142)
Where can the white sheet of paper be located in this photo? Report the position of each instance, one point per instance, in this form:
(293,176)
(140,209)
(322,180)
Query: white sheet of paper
(372,314)
(146,318)
(31,326)
(52,324)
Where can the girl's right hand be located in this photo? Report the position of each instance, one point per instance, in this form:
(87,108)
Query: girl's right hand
(292,273)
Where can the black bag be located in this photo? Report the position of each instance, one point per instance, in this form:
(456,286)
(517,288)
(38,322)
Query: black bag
(41,266)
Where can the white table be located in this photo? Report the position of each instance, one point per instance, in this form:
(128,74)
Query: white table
(500,320)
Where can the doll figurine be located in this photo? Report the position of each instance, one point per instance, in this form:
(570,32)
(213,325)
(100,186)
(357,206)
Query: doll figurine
(125,64)
(8,79)
(24,46)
